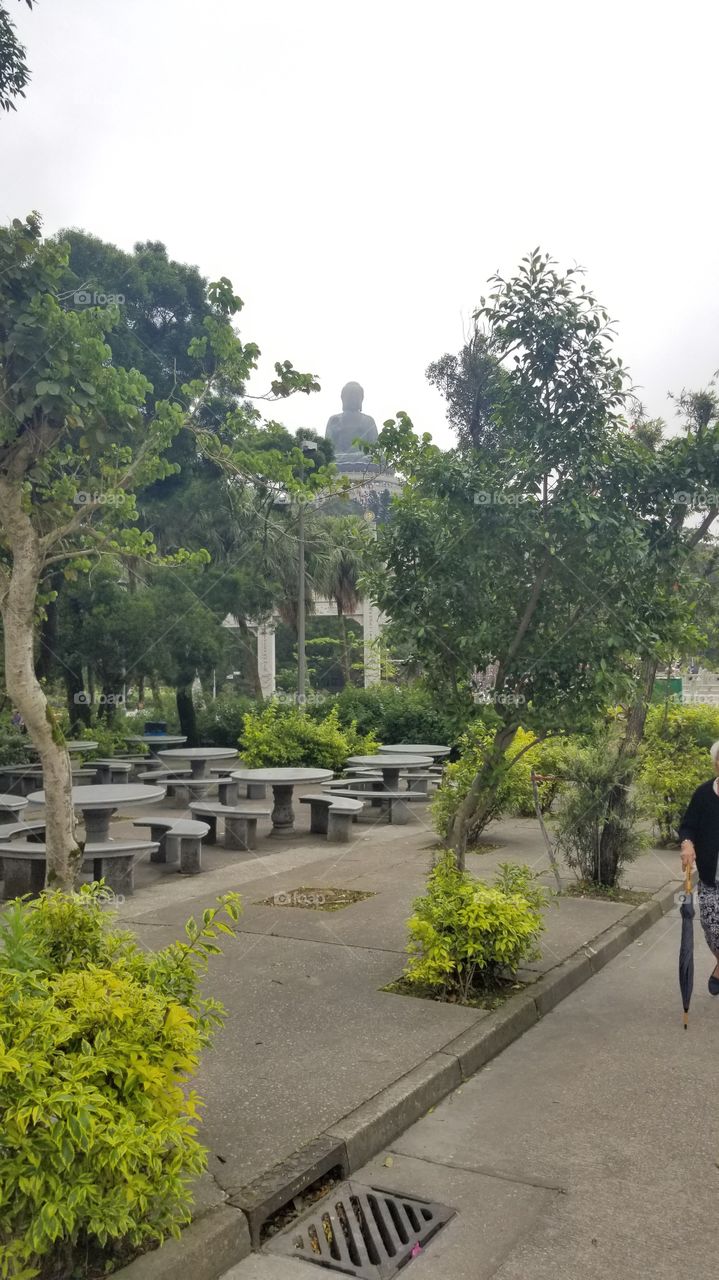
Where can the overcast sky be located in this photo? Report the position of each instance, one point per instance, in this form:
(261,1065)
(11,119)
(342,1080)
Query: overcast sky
(359,170)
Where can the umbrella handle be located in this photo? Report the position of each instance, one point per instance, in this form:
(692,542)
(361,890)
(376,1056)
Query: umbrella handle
(688,880)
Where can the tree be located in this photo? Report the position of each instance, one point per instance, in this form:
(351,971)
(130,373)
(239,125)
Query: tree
(526,555)
(342,555)
(14,74)
(74,449)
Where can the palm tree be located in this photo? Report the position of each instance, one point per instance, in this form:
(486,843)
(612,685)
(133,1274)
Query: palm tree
(340,563)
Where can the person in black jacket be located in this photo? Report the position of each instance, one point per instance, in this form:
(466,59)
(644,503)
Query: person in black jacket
(699,836)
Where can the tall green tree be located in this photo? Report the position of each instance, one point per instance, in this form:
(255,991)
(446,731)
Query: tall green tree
(75,447)
(527,555)
(343,555)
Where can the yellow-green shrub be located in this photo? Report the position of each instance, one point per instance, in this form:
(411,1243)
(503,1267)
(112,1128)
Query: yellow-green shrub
(278,736)
(673,760)
(97,1041)
(466,934)
(514,793)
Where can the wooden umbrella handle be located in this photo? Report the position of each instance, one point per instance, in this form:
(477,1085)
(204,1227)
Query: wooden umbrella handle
(688,880)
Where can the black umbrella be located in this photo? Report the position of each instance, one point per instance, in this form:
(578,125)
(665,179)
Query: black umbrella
(686,948)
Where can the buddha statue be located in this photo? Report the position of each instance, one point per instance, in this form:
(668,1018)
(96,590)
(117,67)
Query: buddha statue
(350,425)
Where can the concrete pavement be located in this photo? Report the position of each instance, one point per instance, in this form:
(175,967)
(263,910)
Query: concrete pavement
(586,1151)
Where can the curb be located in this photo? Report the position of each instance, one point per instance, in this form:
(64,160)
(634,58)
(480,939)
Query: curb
(226,1234)
(207,1248)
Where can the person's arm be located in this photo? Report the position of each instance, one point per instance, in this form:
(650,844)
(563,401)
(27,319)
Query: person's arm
(687,833)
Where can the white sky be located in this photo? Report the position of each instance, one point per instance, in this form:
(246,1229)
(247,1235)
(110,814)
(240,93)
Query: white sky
(358,170)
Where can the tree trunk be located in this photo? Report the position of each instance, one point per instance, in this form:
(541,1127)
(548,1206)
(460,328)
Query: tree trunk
(78,712)
(186,712)
(17,604)
(609,840)
(479,800)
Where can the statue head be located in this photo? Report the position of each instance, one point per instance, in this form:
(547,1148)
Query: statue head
(352,397)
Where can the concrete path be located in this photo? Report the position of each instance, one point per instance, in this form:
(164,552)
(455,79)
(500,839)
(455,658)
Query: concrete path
(586,1151)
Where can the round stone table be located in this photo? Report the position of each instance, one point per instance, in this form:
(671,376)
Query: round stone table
(97,804)
(283,783)
(199,758)
(75,744)
(421,748)
(157,740)
(11,804)
(391,765)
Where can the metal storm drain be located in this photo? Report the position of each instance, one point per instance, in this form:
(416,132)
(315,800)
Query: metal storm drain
(362,1231)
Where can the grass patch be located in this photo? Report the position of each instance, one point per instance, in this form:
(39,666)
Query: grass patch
(606,893)
(491,998)
(315,898)
(485,846)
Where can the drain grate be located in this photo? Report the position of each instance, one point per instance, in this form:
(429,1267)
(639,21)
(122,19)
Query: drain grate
(362,1231)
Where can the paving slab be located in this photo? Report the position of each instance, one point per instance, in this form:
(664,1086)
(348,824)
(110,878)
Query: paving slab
(604,1098)
(309,1037)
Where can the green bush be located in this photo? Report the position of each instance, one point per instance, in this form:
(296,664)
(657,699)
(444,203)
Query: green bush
(15,746)
(98,1038)
(593,773)
(280,735)
(111,739)
(466,936)
(400,714)
(514,793)
(220,722)
(673,760)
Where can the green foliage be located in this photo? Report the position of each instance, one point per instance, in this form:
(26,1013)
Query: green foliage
(673,760)
(14,744)
(593,774)
(97,1041)
(465,935)
(405,713)
(220,722)
(513,793)
(14,73)
(110,738)
(280,735)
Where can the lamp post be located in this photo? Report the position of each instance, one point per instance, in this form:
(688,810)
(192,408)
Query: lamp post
(307,447)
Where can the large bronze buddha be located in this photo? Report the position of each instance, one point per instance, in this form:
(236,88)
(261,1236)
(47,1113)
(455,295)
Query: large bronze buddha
(344,428)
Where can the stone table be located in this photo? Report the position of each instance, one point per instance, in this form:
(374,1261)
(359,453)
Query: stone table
(74,745)
(198,758)
(11,804)
(391,765)
(98,803)
(421,748)
(283,783)
(157,740)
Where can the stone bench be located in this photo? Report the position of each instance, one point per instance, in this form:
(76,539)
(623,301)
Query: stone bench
(110,772)
(240,822)
(397,803)
(112,861)
(180,784)
(332,815)
(177,840)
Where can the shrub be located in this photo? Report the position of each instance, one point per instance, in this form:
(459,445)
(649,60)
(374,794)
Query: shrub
(673,761)
(14,743)
(465,935)
(514,793)
(111,739)
(220,722)
(280,735)
(97,1041)
(593,773)
(405,714)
